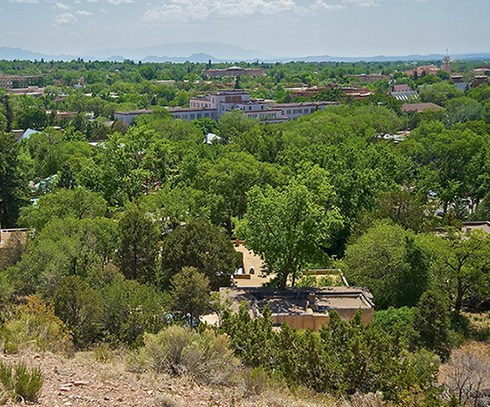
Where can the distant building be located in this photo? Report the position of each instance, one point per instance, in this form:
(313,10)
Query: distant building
(302,308)
(479,80)
(19,81)
(33,91)
(459,82)
(423,70)
(128,117)
(26,135)
(216,104)
(234,71)
(371,78)
(446,63)
(353,92)
(476,225)
(420,107)
(403,92)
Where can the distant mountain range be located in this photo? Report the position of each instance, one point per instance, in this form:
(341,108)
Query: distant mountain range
(216,52)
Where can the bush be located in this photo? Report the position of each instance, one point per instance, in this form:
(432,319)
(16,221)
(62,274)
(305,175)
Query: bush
(205,356)
(80,307)
(130,309)
(19,382)
(35,326)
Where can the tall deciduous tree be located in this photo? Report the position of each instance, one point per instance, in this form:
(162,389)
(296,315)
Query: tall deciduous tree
(462,262)
(291,226)
(391,263)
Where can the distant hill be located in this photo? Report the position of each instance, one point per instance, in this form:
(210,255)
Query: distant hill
(216,52)
(169,52)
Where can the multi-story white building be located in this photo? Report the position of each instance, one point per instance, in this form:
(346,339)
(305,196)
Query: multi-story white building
(216,104)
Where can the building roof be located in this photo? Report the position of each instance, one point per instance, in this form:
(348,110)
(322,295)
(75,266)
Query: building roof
(134,112)
(420,107)
(401,88)
(27,134)
(297,300)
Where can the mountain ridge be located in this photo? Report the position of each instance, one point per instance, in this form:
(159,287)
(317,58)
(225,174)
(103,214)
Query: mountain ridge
(199,55)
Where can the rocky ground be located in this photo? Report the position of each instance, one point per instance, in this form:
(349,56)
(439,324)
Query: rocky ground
(83,381)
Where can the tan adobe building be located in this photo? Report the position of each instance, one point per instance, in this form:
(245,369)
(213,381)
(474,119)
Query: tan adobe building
(302,308)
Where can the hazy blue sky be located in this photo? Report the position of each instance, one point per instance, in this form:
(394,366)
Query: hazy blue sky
(278,27)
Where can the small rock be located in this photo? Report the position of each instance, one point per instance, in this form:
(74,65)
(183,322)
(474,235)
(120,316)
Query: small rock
(81,383)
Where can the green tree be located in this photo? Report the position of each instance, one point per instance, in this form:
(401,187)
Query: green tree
(203,246)
(391,262)
(291,226)
(138,252)
(32,117)
(13,185)
(190,294)
(80,308)
(129,310)
(76,203)
(431,324)
(463,263)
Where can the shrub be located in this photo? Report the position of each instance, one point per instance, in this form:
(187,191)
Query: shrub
(80,307)
(205,356)
(130,309)
(19,382)
(255,381)
(35,326)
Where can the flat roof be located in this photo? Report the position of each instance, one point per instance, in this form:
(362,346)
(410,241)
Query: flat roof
(131,112)
(296,300)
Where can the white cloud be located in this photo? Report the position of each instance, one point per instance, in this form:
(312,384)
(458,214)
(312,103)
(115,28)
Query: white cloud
(190,10)
(322,5)
(65,18)
(62,6)
(24,1)
(92,1)
(362,3)
(84,13)
(118,2)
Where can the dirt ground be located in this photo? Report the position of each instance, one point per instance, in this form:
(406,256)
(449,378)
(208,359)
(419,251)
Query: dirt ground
(83,381)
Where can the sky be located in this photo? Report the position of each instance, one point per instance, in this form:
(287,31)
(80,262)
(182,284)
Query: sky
(275,27)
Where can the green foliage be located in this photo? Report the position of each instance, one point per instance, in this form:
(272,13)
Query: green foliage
(396,322)
(35,326)
(19,382)
(80,308)
(190,294)
(340,359)
(139,245)
(391,262)
(293,225)
(77,203)
(204,356)
(203,246)
(12,181)
(129,310)
(431,324)
(64,247)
